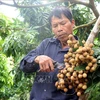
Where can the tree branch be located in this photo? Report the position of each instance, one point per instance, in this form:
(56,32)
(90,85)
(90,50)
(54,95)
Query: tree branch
(30,6)
(3,3)
(85,25)
(89,4)
(58,1)
(93,7)
(15,2)
(94,32)
(79,2)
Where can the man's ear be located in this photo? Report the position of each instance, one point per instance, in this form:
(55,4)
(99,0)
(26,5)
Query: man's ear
(73,23)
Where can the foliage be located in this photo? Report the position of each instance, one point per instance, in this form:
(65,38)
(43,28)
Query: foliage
(38,18)
(93,89)
(4,26)
(83,18)
(95,92)
(22,85)
(5,76)
(16,44)
(19,43)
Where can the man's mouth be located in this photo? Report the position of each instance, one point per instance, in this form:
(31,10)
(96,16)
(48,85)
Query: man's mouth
(61,36)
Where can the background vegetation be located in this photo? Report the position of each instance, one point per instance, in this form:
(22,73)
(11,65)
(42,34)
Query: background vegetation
(17,38)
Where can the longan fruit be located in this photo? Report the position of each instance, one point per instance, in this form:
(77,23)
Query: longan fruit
(81,57)
(91,52)
(65,60)
(72,78)
(88,48)
(65,56)
(69,54)
(84,75)
(64,71)
(78,93)
(94,60)
(58,87)
(56,84)
(58,75)
(92,69)
(69,42)
(91,45)
(84,87)
(95,65)
(87,68)
(67,65)
(75,74)
(77,81)
(75,42)
(73,55)
(83,41)
(61,81)
(70,36)
(71,60)
(68,74)
(80,75)
(76,46)
(91,57)
(79,51)
(89,64)
(80,85)
(65,89)
(71,69)
(61,75)
(85,54)
(62,86)
(70,86)
(70,50)
(81,71)
(84,49)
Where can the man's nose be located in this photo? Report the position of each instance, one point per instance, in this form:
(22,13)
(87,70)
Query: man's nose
(59,28)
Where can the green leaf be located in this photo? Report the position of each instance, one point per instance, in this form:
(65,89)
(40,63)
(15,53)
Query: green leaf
(98,72)
(89,88)
(74,49)
(80,43)
(96,51)
(80,67)
(98,62)
(98,58)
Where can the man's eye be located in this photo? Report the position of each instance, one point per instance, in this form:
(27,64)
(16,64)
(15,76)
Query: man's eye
(63,23)
(54,26)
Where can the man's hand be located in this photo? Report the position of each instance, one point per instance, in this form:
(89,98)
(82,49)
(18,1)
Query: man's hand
(45,63)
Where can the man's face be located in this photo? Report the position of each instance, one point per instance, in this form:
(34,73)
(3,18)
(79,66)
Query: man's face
(62,27)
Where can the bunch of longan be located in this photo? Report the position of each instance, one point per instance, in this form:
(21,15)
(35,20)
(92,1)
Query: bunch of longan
(79,61)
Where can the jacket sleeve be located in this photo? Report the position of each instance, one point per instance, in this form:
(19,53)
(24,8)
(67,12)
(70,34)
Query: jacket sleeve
(27,64)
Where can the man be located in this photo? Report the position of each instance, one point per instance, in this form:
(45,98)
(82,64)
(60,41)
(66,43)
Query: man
(40,60)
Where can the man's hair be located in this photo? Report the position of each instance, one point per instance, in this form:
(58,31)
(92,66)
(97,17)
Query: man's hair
(60,10)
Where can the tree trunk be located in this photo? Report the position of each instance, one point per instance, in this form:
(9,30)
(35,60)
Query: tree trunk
(90,39)
(94,32)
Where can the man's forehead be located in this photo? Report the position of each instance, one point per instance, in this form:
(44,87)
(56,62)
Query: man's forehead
(57,19)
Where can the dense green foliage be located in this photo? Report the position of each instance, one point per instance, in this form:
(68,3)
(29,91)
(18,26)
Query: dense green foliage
(5,75)
(38,19)
(15,44)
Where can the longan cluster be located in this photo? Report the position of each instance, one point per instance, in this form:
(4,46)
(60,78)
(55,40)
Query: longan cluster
(73,75)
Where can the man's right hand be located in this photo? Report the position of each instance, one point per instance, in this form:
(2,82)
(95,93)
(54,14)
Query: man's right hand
(45,63)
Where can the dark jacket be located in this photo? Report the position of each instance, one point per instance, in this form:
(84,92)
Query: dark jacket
(44,84)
